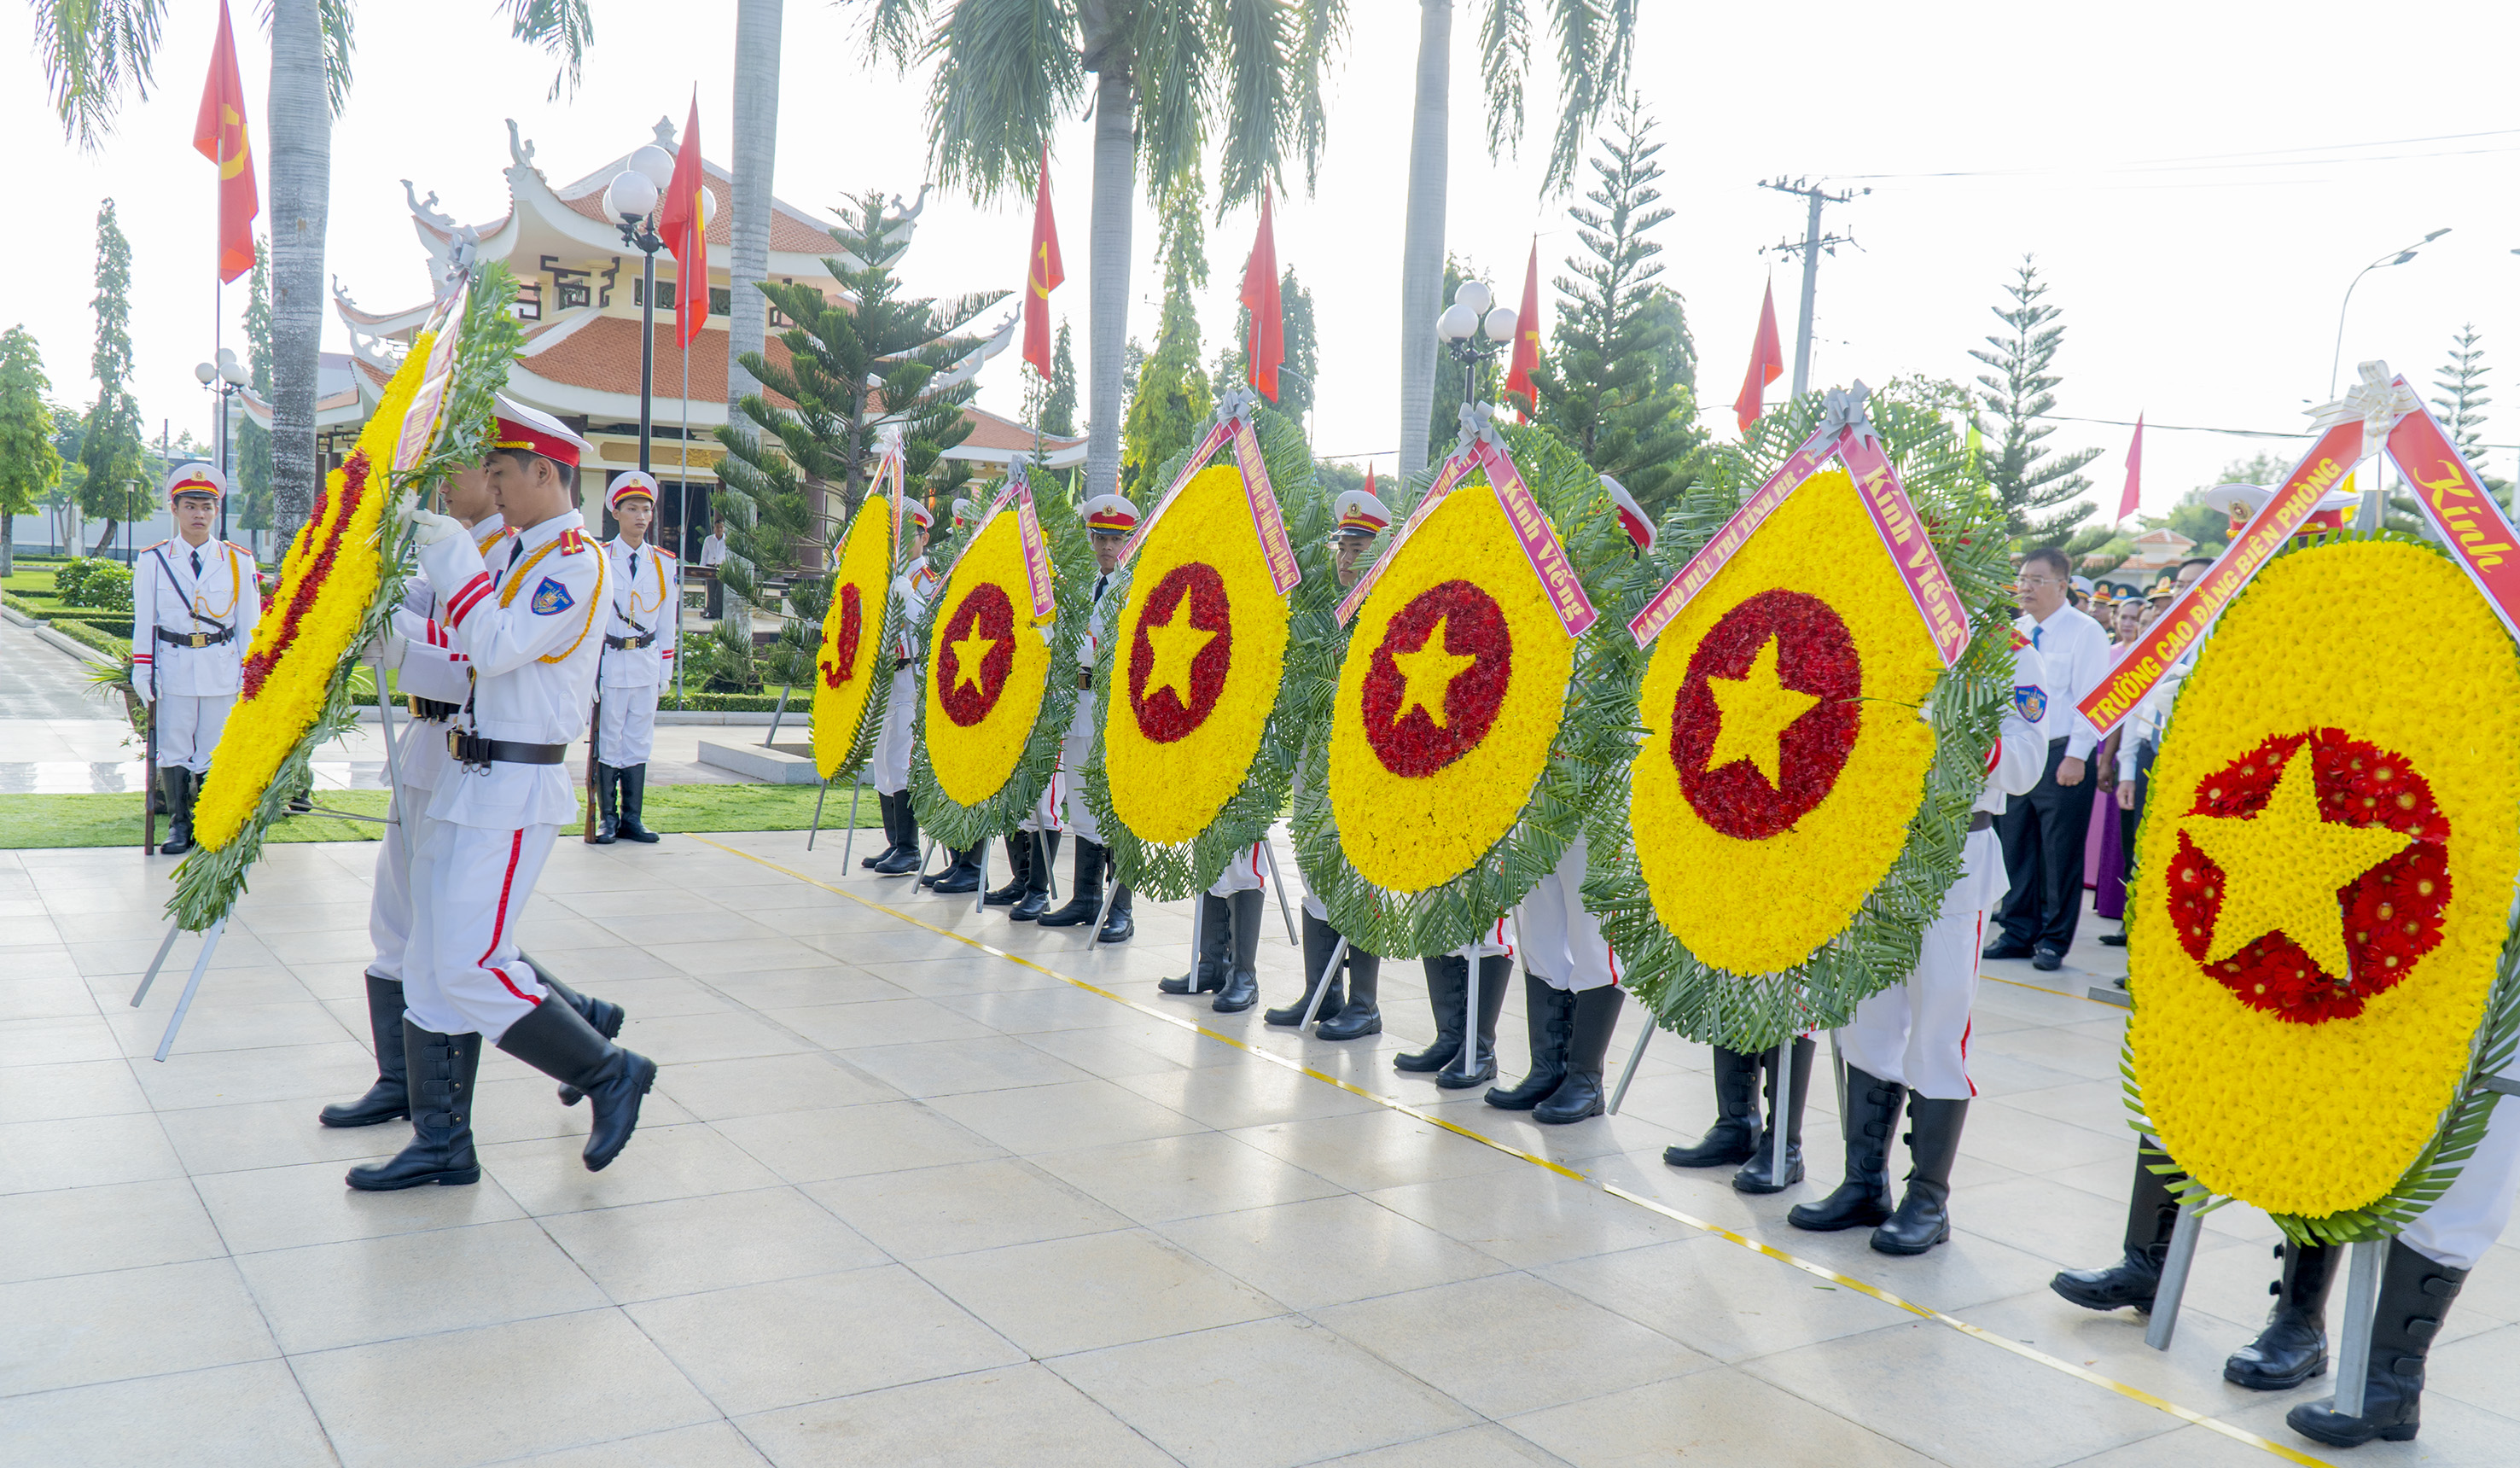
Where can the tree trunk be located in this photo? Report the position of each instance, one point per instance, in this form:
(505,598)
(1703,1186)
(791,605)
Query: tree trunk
(104,542)
(1421,256)
(1116,187)
(7,546)
(300,142)
(756,154)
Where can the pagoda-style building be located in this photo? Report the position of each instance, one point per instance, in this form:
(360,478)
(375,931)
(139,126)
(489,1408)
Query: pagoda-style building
(580,299)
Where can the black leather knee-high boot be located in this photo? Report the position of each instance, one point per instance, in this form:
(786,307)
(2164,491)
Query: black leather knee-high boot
(1760,1174)
(1924,1217)
(1448,979)
(1863,1198)
(1242,982)
(389,1099)
(2293,1348)
(1321,940)
(2153,1211)
(1549,1012)
(1579,1094)
(1208,966)
(2415,1297)
(1362,1013)
(1476,1064)
(442,1068)
(1737,1132)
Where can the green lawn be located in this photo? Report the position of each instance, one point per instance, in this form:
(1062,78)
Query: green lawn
(35,821)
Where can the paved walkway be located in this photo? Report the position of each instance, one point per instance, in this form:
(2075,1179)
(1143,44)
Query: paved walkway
(40,681)
(921,1186)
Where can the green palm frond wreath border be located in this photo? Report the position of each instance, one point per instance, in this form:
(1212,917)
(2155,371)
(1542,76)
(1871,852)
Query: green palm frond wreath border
(1172,870)
(1880,945)
(961,826)
(1593,736)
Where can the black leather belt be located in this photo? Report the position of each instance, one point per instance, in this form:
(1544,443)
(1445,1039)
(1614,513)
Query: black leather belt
(626,642)
(196,639)
(1084,681)
(431,708)
(898,663)
(472,749)
(1981,820)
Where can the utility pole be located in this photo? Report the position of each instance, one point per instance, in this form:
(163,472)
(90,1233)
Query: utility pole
(1813,242)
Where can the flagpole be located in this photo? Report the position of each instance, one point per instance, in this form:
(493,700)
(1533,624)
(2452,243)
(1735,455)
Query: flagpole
(685,515)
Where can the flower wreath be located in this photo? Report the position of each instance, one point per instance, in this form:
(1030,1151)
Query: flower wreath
(1752,902)
(2335,750)
(988,737)
(1182,782)
(1422,831)
(850,696)
(339,584)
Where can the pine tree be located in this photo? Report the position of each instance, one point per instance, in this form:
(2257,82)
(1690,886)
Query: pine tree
(1611,382)
(115,449)
(30,465)
(1059,410)
(1173,397)
(253,440)
(2036,483)
(2463,401)
(851,369)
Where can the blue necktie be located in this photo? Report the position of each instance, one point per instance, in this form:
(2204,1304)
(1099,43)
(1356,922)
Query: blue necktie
(197,563)
(2035,634)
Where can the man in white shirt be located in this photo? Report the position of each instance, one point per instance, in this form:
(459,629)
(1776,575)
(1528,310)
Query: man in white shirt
(2044,831)
(713,556)
(194,605)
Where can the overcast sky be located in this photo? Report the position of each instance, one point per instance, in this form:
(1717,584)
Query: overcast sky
(2199,183)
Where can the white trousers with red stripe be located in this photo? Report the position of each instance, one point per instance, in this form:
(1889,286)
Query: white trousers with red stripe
(1561,944)
(1243,873)
(1916,1033)
(462,973)
(392,910)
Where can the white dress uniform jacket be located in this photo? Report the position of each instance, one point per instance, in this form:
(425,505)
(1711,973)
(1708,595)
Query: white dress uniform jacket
(533,636)
(167,591)
(641,607)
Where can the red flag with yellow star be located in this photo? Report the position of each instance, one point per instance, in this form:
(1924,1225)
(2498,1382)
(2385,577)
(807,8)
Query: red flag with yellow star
(683,220)
(1266,349)
(219,135)
(1526,336)
(1043,274)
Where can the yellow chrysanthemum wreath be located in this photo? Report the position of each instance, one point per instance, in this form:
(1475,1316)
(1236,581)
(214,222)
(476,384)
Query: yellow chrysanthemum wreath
(327,582)
(2327,866)
(1475,684)
(1191,688)
(1748,875)
(851,678)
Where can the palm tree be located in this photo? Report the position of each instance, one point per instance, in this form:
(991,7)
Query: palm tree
(757,25)
(1594,39)
(94,51)
(1167,75)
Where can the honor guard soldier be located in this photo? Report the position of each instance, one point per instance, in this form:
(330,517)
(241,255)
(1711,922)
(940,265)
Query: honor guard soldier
(638,659)
(532,637)
(194,605)
(1908,1043)
(1351,1009)
(1570,977)
(1109,521)
(912,586)
(961,873)
(436,679)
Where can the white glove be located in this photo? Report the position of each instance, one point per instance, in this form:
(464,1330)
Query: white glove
(429,527)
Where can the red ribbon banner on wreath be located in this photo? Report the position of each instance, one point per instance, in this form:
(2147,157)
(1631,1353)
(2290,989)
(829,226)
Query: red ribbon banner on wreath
(1455,469)
(1266,518)
(1894,519)
(1531,529)
(1036,551)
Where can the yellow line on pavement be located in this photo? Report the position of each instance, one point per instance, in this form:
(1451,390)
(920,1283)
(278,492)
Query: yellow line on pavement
(1390,1103)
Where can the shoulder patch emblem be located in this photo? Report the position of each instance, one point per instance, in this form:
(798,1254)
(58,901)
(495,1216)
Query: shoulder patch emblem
(2029,699)
(552,598)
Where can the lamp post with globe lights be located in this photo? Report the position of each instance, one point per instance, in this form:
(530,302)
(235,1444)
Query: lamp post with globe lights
(223,378)
(631,201)
(1473,329)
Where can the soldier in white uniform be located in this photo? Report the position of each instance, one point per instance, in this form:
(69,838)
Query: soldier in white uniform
(1570,977)
(1229,937)
(1909,1042)
(194,601)
(436,679)
(1351,1010)
(532,637)
(912,586)
(638,659)
(1109,520)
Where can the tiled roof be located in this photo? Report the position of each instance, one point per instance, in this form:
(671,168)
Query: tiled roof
(1005,435)
(789,232)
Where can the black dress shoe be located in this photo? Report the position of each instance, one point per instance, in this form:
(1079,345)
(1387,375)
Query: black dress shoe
(1241,990)
(2048,960)
(1030,909)
(1118,927)
(2005,947)
(2112,939)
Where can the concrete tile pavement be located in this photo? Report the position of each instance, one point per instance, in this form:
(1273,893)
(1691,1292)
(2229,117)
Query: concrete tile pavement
(902,1196)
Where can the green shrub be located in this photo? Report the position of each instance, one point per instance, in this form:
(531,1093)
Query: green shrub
(81,633)
(65,581)
(107,584)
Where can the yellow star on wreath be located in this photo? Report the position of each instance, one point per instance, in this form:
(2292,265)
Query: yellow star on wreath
(2281,868)
(1176,644)
(1429,669)
(1756,709)
(969,653)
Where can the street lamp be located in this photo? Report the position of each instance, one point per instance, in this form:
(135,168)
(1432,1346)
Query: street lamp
(631,198)
(223,378)
(2398,256)
(1473,329)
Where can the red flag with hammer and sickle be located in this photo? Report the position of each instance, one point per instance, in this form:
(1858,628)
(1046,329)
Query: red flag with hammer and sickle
(220,134)
(1527,338)
(1043,274)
